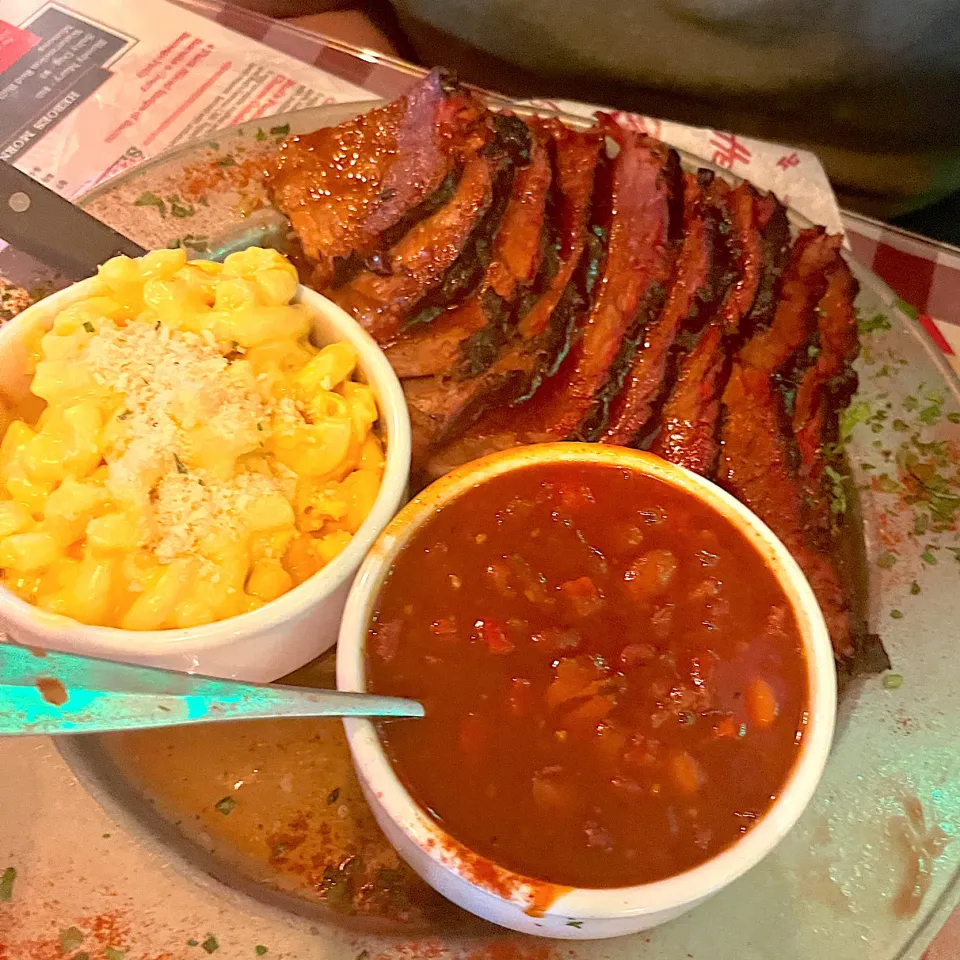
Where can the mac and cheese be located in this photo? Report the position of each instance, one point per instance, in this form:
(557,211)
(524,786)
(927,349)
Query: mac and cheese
(197,456)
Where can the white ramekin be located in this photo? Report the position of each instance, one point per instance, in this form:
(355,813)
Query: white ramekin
(283,634)
(518,902)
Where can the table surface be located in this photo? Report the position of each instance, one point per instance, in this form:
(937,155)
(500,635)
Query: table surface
(923,272)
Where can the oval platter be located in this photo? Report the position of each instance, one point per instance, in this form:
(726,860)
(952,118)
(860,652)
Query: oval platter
(872,870)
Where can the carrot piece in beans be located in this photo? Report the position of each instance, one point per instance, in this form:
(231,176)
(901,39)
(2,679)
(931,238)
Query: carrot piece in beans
(587,715)
(583,596)
(444,627)
(762,704)
(491,633)
(650,574)
(725,729)
(687,774)
(579,677)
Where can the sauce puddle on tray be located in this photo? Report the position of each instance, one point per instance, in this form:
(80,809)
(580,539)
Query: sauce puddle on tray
(277,803)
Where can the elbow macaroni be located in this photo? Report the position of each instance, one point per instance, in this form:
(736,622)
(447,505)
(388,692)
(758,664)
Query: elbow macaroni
(197,456)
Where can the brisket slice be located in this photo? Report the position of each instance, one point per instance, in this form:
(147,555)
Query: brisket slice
(692,296)
(634,202)
(459,340)
(747,212)
(802,285)
(541,335)
(756,467)
(827,386)
(771,220)
(830,382)
(758,460)
(545,318)
(688,425)
(343,187)
(689,422)
(442,258)
(641,200)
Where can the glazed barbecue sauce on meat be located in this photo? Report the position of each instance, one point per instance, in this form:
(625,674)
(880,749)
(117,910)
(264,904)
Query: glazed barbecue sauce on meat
(614,682)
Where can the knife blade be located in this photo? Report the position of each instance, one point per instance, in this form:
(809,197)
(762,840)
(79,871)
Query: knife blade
(49,228)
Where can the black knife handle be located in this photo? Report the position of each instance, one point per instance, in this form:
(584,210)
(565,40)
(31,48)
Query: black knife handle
(41,223)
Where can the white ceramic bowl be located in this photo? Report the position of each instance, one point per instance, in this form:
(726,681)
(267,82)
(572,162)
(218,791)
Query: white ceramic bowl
(532,906)
(283,634)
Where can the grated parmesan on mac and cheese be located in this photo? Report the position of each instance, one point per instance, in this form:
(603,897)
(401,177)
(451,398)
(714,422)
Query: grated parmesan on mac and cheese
(197,457)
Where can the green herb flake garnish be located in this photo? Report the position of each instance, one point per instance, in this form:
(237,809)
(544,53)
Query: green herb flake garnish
(225,805)
(193,943)
(886,484)
(210,944)
(900,425)
(181,468)
(892,681)
(953,417)
(6,884)
(280,131)
(875,324)
(333,796)
(180,210)
(858,412)
(896,614)
(914,588)
(928,558)
(70,939)
(149,199)
(112,953)
(838,504)
(742,731)
(260,950)
(260,134)
(887,561)
(575,923)
(227,161)
(88,326)
(363,955)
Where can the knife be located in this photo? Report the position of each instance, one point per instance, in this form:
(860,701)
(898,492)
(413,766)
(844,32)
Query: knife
(41,223)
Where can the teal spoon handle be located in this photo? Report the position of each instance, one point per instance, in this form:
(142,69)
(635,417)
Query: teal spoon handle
(55,693)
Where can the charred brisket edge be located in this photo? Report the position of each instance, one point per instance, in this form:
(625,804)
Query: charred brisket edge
(516,387)
(347,267)
(776,253)
(482,348)
(510,148)
(706,301)
(656,425)
(651,305)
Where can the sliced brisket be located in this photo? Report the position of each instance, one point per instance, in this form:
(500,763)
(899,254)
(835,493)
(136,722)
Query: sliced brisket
(689,423)
(458,341)
(345,187)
